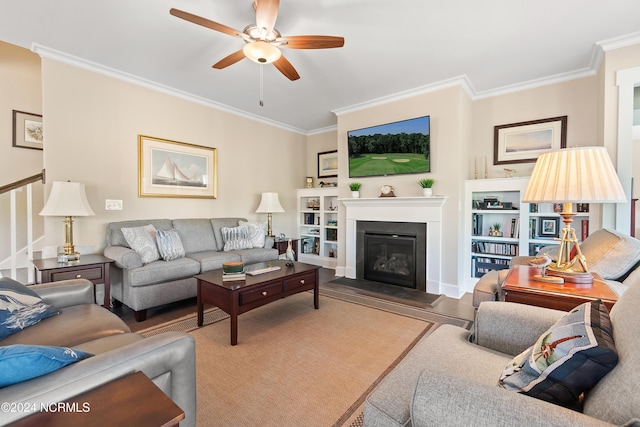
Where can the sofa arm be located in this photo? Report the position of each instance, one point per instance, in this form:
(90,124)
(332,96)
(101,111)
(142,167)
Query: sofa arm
(66,293)
(168,359)
(123,257)
(511,328)
(448,399)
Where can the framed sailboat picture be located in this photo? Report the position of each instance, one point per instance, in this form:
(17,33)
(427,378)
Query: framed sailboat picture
(176,169)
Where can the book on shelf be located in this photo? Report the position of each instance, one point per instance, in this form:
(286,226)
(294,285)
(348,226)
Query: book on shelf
(233,276)
(515,227)
(585,227)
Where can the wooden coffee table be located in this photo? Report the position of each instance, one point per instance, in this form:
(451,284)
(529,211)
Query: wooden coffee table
(237,297)
(519,286)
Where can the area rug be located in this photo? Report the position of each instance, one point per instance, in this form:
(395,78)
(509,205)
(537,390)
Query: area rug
(295,365)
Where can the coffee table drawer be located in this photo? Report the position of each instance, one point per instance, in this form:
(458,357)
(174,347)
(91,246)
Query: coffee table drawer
(262,292)
(296,282)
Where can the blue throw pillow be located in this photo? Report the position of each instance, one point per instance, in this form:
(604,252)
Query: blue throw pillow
(20,307)
(22,362)
(568,359)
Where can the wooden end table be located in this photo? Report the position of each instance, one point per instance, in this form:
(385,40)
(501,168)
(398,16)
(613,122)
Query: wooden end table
(91,267)
(132,400)
(239,296)
(520,286)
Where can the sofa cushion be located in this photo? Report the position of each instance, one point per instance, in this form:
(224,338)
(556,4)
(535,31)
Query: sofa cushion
(74,325)
(196,234)
(169,244)
(610,253)
(251,256)
(20,363)
(162,271)
(568,359)
(257,233)
(236,238)
(143,241)
(20,307)
(213,260)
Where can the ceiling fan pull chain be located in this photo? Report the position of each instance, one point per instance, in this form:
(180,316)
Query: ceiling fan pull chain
(261,85)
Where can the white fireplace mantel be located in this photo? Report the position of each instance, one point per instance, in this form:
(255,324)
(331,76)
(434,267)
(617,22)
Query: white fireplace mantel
(426,210)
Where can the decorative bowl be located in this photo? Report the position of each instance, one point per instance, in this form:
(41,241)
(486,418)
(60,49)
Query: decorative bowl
(233,267)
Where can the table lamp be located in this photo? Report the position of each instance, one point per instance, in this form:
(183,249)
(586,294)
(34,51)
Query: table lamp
(573,175)
(67,199)
(268,205)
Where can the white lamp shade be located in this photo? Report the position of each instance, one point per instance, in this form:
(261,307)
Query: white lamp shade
(574,175)
(269,203)
(67,199)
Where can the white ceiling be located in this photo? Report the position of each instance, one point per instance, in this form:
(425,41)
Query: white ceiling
(391,47)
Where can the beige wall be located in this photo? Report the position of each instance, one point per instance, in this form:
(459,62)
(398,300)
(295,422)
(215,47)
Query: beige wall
(92,126)
(20,89)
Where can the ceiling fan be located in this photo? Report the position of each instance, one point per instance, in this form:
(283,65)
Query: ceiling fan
(263,40)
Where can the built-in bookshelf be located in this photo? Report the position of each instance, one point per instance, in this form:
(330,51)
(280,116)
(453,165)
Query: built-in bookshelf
(318,226)
(522,228)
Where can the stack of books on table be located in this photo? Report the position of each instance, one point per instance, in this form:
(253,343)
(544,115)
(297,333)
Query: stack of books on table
(233,276)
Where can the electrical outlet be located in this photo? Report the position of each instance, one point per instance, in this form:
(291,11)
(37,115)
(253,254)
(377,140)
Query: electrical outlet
(113,205)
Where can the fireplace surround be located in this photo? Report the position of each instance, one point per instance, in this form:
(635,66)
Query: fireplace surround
(420,210)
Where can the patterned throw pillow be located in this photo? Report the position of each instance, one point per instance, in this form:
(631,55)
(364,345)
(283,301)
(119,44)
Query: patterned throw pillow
(568,359)
(257,233)
(169,244)
(22,362)
(143,241)
(20,307)
(236,238)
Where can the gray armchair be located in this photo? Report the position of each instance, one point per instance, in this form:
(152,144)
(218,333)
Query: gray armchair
(451,376)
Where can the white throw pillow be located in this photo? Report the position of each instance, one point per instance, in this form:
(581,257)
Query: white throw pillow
(143,241)
(257,233)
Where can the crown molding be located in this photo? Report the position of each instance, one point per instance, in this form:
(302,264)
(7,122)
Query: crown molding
(619,42)
(56,55)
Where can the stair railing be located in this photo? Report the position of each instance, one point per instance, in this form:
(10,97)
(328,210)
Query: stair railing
(12,189)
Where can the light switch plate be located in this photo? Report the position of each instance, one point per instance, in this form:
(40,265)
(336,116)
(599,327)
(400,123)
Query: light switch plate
(113,205)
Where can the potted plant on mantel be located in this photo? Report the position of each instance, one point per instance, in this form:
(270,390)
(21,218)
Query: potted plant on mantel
(426,184)
(355,189)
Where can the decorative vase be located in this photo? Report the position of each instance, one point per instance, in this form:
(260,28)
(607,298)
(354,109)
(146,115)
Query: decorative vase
(355,194)
(427,192)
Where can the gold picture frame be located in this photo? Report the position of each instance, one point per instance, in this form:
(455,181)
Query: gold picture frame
(176,169)
(523,142)
(28,131)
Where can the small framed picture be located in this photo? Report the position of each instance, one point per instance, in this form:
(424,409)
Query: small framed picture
(328,164)
(557,207)
(549,227)
(27,130)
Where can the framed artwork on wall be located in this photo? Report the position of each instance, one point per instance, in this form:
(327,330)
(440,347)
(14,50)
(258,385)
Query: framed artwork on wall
(523,142)
(28,131)
(176,169)
(328,164)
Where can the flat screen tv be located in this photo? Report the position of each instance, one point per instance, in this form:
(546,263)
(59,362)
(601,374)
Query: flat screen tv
(390,149)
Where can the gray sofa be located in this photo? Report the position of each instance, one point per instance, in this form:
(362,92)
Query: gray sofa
(168,359)
(451,378)
(141,286)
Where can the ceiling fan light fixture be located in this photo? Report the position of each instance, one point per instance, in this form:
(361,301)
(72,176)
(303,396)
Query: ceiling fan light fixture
(261,52)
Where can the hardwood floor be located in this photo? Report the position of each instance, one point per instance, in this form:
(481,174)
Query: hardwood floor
(461,308)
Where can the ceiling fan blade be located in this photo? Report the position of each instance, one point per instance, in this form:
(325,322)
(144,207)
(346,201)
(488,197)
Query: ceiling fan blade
(204,22)
(266,14)
(312,42)
(229,60)
(285,67)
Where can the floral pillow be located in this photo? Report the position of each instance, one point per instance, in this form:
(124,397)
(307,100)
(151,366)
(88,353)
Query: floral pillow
(143,241)
(568,359)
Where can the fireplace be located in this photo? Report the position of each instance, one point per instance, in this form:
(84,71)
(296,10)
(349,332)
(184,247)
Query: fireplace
(391,253)
(424,211)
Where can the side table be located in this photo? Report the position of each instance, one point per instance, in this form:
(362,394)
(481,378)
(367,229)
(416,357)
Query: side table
(132,400)
(281,245)
(519,286)
(91,267)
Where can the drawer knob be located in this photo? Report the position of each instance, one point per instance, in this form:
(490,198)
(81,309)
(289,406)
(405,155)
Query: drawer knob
(302,281)
(78,276)
(264,293)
